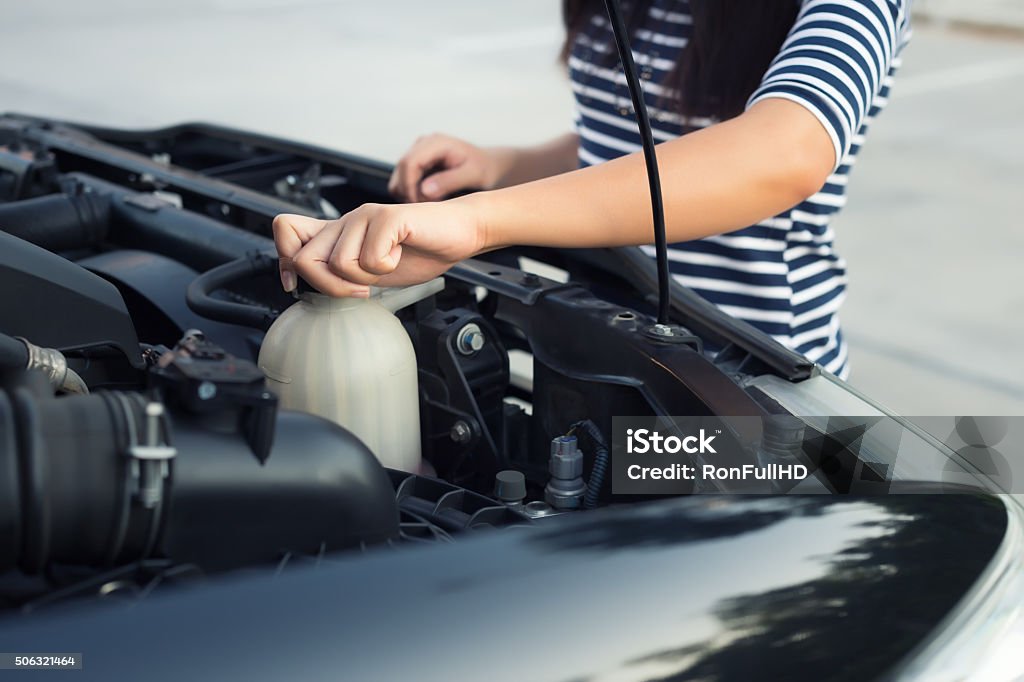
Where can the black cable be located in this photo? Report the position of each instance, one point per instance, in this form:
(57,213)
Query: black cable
(647,137)
(599,470)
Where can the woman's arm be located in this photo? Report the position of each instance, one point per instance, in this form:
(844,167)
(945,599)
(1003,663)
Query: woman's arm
(525,164)
(439,165)
(716,180)
(720,179)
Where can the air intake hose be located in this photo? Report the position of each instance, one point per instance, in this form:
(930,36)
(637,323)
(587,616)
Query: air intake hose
(13,353)
(60,222)
(105,479)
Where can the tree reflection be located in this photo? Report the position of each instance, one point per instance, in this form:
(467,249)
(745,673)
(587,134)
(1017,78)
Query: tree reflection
(877,602)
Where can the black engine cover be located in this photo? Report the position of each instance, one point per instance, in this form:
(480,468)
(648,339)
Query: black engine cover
(54,303)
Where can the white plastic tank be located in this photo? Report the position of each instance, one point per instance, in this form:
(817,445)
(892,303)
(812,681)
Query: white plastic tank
(350,360)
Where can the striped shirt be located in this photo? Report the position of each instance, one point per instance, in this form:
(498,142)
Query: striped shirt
(782,275)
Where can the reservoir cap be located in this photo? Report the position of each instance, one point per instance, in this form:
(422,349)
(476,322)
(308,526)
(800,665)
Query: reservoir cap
(510,486)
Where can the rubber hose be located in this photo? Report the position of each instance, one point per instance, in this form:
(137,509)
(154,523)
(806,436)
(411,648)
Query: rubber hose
(199,294)
(59,222)
(13,353)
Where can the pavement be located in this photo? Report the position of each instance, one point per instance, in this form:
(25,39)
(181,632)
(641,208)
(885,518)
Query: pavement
(933,233)
(999,15)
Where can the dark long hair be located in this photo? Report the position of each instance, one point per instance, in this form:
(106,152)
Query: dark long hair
(731,46)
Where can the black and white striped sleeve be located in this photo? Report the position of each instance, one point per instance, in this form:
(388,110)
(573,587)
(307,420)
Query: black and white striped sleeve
(835,60)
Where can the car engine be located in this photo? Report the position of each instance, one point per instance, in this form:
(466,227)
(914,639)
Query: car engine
(149,435)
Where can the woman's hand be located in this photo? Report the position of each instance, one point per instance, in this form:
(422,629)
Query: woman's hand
(385,245)
(439,165)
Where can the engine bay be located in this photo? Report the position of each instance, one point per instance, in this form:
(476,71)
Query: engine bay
(160,443)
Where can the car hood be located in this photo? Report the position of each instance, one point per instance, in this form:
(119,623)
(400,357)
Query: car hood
(709,588)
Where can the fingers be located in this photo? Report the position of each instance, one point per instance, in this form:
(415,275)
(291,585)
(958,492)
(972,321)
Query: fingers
(407,175)
(368,247)
(441,184)
(424,154)
(291,232)
(404,172)
(312,263)
(382,245)
(344,258)
(428,153)
(347,255)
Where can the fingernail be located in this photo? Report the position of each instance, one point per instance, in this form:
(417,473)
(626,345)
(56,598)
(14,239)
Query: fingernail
(361,293)
(288,280)
(430,188)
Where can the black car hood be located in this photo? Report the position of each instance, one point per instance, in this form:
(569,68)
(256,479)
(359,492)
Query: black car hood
(708,588)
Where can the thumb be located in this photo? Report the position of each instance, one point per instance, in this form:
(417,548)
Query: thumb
(443,183)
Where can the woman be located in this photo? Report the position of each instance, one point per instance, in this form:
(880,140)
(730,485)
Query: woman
(759,109)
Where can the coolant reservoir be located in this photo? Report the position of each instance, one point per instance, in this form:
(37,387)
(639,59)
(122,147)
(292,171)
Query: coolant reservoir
(350,360)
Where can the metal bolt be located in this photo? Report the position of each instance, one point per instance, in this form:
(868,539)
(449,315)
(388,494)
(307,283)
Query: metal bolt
(149,471)
(662,330)
(206,390)
(470,339)
(461,432)
(531,280)
(154,411)
(538,509)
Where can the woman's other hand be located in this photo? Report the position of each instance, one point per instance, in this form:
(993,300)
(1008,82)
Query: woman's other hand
(376,244)
(437,166)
